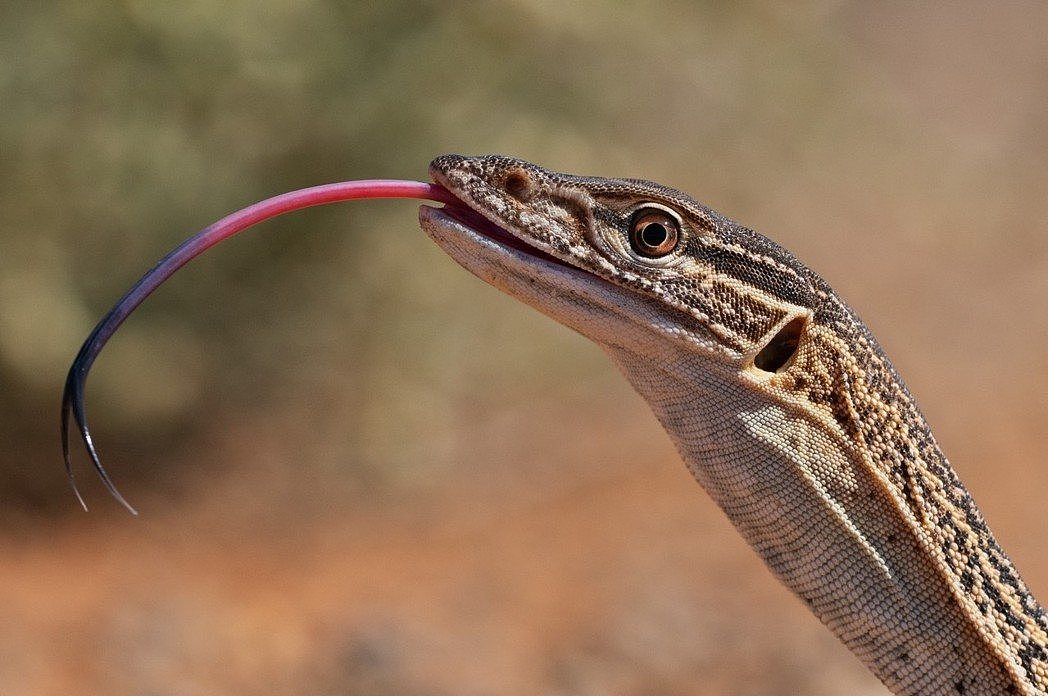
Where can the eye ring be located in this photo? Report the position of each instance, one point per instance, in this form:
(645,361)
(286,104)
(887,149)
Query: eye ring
(654,233)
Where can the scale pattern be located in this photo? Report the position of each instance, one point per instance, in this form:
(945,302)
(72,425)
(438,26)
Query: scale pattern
(827,466)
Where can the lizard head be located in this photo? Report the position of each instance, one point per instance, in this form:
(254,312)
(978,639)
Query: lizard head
(631,264)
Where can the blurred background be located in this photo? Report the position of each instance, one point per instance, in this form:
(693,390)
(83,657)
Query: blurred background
(362,471)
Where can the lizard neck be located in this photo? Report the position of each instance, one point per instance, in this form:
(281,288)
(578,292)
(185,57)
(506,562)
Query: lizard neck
(900,567)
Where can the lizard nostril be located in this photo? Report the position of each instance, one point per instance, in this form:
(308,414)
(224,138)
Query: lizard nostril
(518,184)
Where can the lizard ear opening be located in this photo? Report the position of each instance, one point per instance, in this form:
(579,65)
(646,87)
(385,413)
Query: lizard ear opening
(778,351)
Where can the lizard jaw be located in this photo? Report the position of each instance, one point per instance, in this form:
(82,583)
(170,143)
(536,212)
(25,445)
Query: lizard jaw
(463,233)
(468,217)
(572,296)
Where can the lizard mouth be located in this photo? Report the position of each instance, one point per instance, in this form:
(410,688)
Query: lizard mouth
(462,212)
(482,226)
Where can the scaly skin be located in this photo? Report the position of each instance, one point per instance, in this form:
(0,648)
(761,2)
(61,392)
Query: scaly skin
(824,464)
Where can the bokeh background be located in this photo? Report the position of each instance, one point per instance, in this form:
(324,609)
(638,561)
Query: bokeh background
(362,471)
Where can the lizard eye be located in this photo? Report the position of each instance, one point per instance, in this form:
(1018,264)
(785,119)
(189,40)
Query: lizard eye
(654,233)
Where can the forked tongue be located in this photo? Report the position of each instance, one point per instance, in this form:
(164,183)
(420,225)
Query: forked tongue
(73,396)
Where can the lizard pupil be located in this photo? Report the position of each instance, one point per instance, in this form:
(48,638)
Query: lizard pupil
(654,233)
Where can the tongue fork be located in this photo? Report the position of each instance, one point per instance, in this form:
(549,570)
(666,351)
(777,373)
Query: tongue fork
(73,395)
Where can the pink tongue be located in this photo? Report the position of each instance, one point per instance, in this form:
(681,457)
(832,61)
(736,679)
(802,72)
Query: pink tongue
(73,397)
